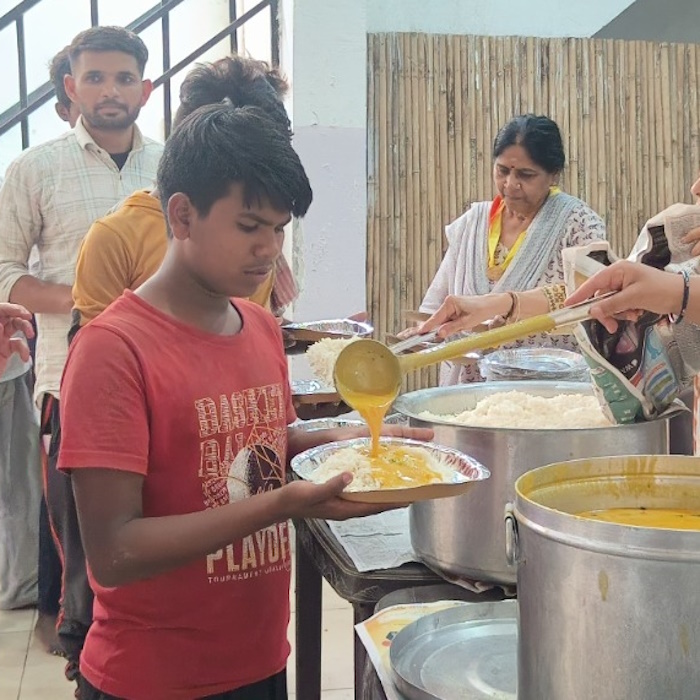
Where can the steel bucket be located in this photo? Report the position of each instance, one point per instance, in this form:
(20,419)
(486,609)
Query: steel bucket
(607,611)
(464,536)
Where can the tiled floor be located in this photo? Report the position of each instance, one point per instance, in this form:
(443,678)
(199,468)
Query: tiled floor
(27,673)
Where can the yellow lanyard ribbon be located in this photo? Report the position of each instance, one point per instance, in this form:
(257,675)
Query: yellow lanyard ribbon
(495,223)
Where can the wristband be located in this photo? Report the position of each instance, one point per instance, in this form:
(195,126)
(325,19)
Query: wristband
(684,304)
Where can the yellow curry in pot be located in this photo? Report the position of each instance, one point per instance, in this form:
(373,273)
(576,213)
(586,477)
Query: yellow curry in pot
(660,518)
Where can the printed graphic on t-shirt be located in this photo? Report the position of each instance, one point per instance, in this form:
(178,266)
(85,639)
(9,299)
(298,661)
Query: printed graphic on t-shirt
(243,439)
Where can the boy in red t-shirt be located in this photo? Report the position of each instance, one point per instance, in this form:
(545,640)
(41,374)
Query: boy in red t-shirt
(175,411)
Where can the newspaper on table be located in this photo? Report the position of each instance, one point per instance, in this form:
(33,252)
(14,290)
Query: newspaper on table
(381,541)
(377,632)
(639,370)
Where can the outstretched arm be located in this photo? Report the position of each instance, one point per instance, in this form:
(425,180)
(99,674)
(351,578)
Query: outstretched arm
(640,288)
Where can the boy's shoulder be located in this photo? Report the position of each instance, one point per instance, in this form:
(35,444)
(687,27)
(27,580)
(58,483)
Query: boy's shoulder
(132,318)
(259,318)
(127,318)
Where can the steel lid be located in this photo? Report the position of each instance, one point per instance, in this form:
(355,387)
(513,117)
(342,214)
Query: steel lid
(467,652)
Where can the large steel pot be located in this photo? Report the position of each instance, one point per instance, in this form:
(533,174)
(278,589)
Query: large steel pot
(607,611)
(464,536)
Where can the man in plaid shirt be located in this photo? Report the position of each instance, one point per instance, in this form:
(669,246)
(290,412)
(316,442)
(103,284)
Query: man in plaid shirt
(51,195)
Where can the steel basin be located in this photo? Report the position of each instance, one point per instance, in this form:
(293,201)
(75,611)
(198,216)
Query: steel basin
(464,536)
(607,611)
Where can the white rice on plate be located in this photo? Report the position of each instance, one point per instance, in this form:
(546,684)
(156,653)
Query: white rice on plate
(520,410)
(323,354)
(358,463)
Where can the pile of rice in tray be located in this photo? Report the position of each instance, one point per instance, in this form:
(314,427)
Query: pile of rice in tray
(323,354)
(350,459)
(519,410)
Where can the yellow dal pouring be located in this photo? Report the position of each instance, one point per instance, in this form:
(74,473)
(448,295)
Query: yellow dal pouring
(368,375)
(372,408)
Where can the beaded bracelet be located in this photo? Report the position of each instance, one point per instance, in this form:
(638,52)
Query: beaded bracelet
(686,294)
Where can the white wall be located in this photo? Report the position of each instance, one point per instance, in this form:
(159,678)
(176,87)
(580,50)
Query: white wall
(327,67)
(543,18)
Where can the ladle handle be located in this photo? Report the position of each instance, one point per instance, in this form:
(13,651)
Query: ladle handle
(562,318)
(479,341)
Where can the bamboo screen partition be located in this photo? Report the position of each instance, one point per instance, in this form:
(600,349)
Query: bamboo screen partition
(629,113)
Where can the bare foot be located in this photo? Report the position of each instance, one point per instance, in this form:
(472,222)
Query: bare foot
(45,632)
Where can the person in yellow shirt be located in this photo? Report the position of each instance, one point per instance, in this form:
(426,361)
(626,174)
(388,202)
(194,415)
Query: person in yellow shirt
(123,249)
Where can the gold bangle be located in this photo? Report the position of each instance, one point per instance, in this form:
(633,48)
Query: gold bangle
(514,314)
(507,316)
(516,311)
(508,313)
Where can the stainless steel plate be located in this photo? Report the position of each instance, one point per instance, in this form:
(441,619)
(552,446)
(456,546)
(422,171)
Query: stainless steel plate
(342,327)
(312,400)
(326,424)
(534,363)
(464,653)
(307,333)
(311,387)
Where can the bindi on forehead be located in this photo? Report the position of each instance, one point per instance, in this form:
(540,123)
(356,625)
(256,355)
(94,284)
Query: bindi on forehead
(516,167)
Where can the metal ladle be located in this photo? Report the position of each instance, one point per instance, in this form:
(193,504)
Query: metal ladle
(368,371)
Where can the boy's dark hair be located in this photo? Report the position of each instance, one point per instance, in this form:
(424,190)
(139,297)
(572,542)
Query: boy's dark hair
(217,146)
(109,39)
(538,135)
(241,81)
(58,68)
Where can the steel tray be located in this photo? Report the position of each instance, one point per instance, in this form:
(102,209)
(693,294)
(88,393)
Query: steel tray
(464,653)
(307,333)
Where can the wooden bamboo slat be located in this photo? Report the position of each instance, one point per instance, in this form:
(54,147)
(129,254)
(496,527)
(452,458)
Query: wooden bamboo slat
(629,113)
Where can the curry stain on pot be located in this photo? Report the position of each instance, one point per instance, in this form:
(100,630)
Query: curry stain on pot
(603,585)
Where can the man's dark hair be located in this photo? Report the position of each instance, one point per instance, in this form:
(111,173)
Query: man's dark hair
(109,39)
(217,146)
(241,81)
(539,136)
(58,68)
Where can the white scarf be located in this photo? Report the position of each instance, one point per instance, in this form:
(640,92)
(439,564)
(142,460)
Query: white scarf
(528,265)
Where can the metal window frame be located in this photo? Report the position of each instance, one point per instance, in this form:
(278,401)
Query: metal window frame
(28,102)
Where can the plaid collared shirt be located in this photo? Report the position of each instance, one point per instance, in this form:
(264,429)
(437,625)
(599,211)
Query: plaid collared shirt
(51,195)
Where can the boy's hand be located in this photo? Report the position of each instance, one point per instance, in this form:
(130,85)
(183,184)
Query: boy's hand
(302,499)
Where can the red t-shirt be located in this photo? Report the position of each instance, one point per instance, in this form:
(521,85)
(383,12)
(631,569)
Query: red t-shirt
(204,418)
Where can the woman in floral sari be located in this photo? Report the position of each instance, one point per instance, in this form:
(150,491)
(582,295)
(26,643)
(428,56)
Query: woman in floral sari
(501,249)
